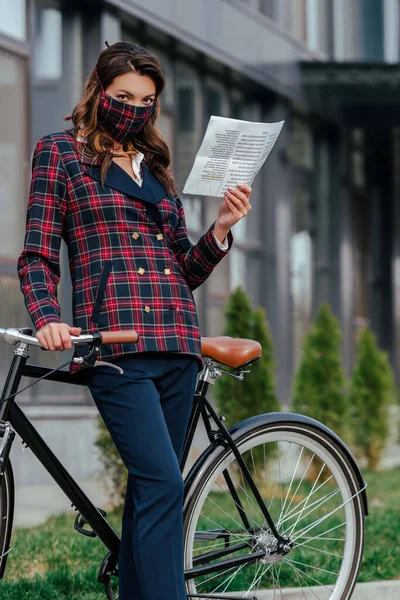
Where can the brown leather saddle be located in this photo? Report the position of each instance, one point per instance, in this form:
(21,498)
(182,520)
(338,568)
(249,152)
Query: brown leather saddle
(232,352)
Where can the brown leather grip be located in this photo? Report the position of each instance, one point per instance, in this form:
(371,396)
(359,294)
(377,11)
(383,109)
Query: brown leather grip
(119,337)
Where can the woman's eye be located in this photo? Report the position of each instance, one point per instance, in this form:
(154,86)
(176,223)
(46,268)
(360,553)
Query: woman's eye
(124,97)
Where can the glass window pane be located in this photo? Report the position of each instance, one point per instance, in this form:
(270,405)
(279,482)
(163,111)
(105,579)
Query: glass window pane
(47,56)
(13,159)
(13,18)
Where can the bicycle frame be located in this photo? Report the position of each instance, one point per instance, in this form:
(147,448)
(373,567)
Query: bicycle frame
(11,412)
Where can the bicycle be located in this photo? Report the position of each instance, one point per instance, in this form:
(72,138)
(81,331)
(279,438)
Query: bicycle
(275,501)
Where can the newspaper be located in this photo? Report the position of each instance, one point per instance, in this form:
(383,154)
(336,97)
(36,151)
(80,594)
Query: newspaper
(232,152)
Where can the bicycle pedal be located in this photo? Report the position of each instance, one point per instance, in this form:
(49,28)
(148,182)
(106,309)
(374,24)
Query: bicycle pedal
(80,523)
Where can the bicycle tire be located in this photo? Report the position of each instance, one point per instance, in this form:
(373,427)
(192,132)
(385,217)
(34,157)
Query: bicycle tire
(283,434)
(7,499)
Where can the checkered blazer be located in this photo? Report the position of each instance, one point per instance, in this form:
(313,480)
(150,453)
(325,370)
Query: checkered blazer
(131,262)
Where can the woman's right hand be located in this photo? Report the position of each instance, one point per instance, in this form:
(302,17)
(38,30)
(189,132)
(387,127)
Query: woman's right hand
(57,336)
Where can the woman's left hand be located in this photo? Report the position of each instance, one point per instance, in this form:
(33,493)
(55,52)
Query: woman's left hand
(235,206)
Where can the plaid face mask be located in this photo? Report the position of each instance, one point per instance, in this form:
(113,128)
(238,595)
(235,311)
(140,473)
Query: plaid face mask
(121,119)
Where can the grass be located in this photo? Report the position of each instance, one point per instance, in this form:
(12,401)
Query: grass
(52,561)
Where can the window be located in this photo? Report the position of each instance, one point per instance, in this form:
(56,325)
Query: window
(47,55)
(13,18)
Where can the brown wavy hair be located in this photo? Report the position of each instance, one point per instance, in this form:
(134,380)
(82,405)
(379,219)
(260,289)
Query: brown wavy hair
(115,60)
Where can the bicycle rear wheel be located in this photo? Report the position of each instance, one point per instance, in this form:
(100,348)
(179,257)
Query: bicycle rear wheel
(313,495)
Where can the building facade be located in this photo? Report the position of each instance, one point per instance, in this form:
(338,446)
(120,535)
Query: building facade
(324,224)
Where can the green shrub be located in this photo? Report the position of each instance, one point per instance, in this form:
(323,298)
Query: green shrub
(372,390)
(115,470)
(319,386)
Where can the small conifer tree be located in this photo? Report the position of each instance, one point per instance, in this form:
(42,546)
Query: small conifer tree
(319,387)
(372,390)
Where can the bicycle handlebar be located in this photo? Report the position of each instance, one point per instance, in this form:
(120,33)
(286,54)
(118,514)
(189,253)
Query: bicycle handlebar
(13,335)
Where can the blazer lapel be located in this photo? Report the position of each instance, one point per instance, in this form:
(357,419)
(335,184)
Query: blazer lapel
(118,179)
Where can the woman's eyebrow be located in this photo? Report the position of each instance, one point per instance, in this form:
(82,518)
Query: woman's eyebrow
(129,94)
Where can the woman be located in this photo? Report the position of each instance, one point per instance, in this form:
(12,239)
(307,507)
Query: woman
(104,187)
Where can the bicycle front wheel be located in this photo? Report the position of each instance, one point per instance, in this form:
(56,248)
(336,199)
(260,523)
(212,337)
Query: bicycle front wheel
(313,496)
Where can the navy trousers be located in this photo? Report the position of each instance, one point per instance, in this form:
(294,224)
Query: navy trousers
(147,412)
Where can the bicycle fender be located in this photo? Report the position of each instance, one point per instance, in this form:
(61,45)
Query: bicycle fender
(239,429)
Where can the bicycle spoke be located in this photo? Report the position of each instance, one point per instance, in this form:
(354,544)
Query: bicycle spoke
(290,485)
(318,550)
(244,490)
(223,511)
(317,504)
(319,584)
(323,533)
(299,574)
(300,483)
(290,513)
(278,482)
(312,489)
(300,584)
(307,529)
(230,496)
(230,533)
(312,567)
